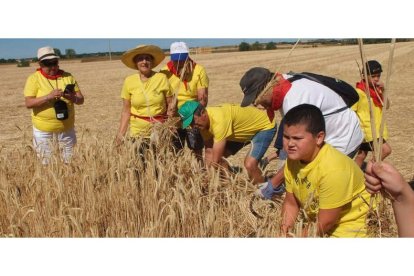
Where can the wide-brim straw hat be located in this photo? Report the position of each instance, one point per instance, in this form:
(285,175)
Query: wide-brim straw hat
(154,51)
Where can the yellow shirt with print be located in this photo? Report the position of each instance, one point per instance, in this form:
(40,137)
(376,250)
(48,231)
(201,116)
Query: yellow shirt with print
(148,99)
(199,79)
(362,110)
(330,181)
(235,123)
(44,117)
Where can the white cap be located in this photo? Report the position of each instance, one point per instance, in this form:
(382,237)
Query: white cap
(179,48)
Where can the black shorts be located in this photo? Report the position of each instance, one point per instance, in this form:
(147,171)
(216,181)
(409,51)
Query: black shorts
(191,136)
(368,146)
(233,147)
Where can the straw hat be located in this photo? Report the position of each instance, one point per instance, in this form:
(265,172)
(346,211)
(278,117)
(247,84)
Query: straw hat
(155,51)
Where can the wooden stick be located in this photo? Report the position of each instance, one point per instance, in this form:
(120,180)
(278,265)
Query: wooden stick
(385,95)
(371,110)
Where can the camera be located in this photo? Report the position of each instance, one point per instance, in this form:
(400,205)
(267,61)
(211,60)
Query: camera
(69,89)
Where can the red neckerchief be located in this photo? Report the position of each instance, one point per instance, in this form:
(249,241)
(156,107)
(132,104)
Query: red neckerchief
(376,97)
(58,75)
(173,70)
(279,92)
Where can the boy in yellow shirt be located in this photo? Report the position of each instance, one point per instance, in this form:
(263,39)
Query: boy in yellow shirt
(325,183)
(361,108)
(228,128)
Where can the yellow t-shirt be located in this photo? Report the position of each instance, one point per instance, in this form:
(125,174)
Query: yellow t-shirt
(148,99)
(199,79)
(362,110)
(330,181)
(235,123)
(44,117)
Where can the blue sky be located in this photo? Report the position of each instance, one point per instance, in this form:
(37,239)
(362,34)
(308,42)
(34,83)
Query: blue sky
(26,48)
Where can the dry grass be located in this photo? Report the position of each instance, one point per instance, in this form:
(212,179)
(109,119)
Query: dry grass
(106,192)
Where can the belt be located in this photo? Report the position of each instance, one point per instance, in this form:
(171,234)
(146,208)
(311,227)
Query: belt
(154,119)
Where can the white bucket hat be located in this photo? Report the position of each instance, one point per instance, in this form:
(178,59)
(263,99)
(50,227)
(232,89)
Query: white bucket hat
(46,53)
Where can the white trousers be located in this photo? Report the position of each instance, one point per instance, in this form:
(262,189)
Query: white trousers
(45,141)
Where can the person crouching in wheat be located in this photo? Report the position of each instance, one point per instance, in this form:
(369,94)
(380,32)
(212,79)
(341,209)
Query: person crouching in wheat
(189,82)
(326,184)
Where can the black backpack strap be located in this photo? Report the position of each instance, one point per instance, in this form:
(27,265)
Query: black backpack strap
(298,76)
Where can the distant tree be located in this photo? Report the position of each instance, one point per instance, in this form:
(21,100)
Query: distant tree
(256,46)
(57,52)
(270,46)
(70,53)
(10,60)
(244,46)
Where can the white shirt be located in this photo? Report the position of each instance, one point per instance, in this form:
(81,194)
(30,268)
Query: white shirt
(342,128)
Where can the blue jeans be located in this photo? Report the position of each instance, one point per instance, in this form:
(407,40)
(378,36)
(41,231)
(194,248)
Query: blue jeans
(261,142)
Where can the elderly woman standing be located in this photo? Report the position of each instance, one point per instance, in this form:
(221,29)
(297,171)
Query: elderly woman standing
(52,94)
(146,95)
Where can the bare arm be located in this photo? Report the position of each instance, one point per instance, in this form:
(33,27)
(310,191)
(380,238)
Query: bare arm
(171,106)
(214,152)
(327,219)
(278,178)
(218,151)
(208,152)
(123,126)
(290,210)
(37,102)
(202,96)
(383,176)
(76,98)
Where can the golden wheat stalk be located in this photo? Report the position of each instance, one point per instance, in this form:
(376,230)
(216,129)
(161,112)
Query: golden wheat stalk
(375,144)
(385,96)
(275,78)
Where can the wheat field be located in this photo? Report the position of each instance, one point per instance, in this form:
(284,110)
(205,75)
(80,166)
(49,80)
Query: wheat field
(109,192)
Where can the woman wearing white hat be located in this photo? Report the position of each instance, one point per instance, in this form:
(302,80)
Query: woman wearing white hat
(52,94)
(190,82)
(146,95)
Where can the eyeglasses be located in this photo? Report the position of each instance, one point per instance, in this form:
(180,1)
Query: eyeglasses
(50,62)
(143,57)
(375,76)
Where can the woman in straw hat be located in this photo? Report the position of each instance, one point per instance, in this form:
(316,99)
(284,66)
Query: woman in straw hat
(146,96)
(52,94)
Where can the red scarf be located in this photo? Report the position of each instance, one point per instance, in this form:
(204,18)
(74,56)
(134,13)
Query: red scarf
(58,74)
(279,92)
(173,70)
(376,97)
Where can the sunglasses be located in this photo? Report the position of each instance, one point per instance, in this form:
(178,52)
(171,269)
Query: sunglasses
(50,62)
(143,57)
